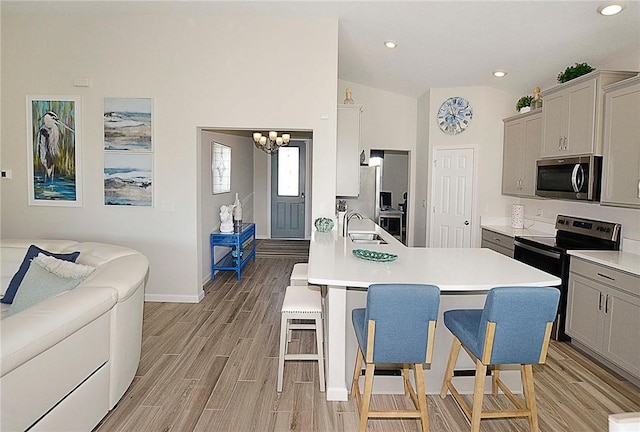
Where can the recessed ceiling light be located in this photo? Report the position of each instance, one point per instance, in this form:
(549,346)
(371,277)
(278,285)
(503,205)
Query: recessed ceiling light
(610,9)
(390,44)
(499,74)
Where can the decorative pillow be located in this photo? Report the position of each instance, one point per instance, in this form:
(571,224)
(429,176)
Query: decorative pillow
(32,252)
(43,280)
(62,268)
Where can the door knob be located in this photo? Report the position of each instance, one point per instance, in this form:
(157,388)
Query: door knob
(466,222)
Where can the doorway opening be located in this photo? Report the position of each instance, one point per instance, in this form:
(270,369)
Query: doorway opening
(288,191)
(393,190)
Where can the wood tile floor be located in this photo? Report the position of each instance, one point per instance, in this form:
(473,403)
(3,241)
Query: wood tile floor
(212,366)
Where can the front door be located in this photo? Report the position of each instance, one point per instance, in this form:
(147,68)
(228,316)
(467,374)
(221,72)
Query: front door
(288,169)
(452,198)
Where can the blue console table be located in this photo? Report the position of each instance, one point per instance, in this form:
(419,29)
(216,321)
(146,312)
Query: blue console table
(242,244)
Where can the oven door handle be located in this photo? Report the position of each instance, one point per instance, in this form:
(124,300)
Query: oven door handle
(550,254)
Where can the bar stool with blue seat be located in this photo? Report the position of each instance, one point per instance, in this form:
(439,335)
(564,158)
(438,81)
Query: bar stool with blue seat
(397,326)
(514,327)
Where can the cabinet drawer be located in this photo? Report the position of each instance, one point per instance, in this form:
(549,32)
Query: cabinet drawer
(606,275)
(498,248)
(497,239)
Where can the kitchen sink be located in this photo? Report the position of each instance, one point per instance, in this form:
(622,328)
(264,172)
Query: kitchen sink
(367,238)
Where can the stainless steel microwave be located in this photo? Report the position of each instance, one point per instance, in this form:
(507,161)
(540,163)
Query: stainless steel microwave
(571,178)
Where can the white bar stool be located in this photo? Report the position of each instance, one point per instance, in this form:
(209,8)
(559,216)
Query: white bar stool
(299,274)
(301,303)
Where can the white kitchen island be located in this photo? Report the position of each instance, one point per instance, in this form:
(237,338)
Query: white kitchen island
(463,275)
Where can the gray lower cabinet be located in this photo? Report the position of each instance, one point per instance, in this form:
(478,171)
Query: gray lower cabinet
(621,170)
(497,242)
(603,313)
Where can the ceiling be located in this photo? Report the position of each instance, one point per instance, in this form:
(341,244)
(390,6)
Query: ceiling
(440,43)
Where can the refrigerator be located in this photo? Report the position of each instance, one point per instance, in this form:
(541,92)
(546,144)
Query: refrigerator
(367,203)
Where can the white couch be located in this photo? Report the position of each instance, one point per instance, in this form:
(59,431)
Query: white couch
(68,360)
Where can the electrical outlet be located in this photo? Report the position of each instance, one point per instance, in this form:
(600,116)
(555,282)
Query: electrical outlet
(424,203)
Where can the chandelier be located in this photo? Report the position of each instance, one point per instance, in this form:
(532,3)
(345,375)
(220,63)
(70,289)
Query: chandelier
(271,143)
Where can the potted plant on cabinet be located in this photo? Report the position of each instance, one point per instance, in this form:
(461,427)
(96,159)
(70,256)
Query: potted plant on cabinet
(572,72)
(524,103)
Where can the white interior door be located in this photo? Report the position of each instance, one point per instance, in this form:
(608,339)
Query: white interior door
(452,198)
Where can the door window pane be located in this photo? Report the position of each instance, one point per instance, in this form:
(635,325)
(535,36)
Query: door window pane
(288,171)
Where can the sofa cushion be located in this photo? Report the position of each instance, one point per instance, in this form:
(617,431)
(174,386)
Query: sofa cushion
(32,252)
(44,280)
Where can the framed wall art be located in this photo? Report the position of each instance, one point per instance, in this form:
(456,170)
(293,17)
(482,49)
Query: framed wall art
(128,179)
(127,124)
(54,150)
(220,168)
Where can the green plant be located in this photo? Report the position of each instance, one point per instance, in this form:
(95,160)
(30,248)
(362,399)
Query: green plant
(524,101)
(572,72)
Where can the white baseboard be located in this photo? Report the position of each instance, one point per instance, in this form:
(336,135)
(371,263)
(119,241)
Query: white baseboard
(172,298)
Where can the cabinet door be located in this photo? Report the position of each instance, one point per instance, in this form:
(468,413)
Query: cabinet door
(622,147)
(585,305)
(348,151)
(622,321)
(533,144)
(553,128)
(513,157)
(581,118)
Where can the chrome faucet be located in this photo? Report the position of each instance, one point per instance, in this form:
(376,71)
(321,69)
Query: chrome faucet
(347,218)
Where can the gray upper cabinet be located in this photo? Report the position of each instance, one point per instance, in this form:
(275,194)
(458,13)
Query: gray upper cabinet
(522,142)
(621,171)
(348,151)
(573,112)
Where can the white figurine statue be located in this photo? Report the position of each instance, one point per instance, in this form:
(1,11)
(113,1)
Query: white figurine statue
(226,219)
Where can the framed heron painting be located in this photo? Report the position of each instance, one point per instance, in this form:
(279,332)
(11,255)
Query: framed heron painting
(54,150)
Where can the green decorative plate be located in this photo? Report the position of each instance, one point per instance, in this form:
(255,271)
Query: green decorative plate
(374,256)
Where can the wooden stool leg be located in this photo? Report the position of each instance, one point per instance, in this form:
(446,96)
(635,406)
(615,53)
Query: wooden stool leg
(366,397)
(478,395)
(405,378)
(284,328)
(422,396)
(357,371)
(451,364)
(319,339)
(530,396)
(495,376)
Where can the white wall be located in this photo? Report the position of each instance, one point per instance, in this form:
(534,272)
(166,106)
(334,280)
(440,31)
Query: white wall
(242,151)
(201,70)
(389,123)
(485,134)
(423,171)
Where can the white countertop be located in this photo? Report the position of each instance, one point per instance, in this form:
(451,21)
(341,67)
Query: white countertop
(624,261)
(331,262)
